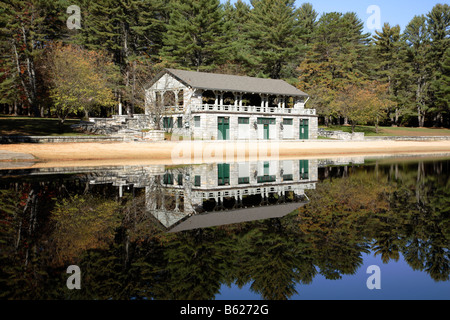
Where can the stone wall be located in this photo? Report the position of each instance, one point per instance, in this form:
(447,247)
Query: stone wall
(340,135)
(55,139)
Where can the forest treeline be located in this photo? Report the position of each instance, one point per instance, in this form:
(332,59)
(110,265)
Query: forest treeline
(393,77)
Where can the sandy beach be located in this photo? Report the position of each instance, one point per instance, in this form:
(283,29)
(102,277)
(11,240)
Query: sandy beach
(188,152)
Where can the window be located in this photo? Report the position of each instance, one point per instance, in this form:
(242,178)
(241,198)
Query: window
(180,122)
(180,179)
(180,98)
(243,120)
(244,180)
(262,179)
(223,174)
(197,121)
(168,178)
(197,181)
(288,121)
(167,123)
(266,121)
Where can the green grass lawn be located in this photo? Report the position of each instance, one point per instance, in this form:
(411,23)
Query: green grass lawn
(393,131)
(29,126)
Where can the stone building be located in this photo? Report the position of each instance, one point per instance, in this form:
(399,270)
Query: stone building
(212,106)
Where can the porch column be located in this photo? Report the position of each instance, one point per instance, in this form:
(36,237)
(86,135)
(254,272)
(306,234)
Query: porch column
(236,102)
(221,99)
(177,201)
(216,101)
(162,93)
(176,98)
(240,99)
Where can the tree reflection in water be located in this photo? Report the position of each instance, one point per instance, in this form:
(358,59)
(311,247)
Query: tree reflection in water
(389,209)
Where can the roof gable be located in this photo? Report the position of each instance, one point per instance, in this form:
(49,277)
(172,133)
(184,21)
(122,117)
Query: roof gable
(224,82)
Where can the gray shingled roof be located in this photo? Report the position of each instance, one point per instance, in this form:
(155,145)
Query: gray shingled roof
(225,82)
(213,219)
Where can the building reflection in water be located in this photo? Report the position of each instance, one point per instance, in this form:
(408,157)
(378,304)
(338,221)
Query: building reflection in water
(200,196)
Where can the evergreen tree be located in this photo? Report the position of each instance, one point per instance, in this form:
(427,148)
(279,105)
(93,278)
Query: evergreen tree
(438,20)
(26,26)
(240,57)
(388,67)
(335,60)
(130,30)
(307,22)
(417,38)
(195,35)
(272,35)
(124,28)
(442,88)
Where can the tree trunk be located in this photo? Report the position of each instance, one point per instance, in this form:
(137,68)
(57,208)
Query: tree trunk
(345,121)
(376,126)
(420,116)
(397,115)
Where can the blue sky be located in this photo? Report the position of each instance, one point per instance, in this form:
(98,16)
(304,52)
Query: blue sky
(393,11)
(398,282)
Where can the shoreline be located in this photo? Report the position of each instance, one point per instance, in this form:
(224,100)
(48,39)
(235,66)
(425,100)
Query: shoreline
(45,155)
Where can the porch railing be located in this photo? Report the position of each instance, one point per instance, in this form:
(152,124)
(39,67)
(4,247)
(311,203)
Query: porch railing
(252,109)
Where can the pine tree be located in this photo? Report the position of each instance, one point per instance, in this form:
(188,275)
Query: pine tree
(388,67)
(442,88)
(25,29)
(195,35)
(131,31)
(335,60)
(417,38)
(272,35)
(438,21)
(307,22)
(240,57)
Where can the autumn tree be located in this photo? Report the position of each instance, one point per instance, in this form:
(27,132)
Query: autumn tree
(362,105)
(83,223)
(335,60)
(78,80)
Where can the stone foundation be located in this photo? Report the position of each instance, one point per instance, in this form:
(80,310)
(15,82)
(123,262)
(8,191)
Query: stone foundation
(341,135)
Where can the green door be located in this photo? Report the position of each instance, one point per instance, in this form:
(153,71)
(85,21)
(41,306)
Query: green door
(223,124)
(304,169)
(266,132)
(304,129)
(223,175)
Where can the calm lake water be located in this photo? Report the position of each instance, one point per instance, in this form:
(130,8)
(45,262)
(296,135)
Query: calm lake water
(349,228)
